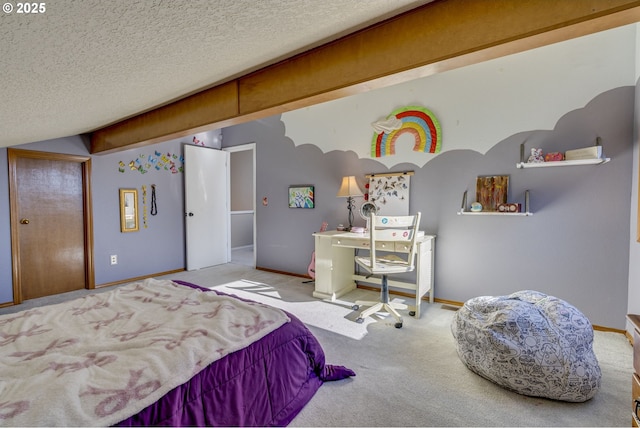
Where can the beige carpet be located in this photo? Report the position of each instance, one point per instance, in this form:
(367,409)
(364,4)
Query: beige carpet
(412,376)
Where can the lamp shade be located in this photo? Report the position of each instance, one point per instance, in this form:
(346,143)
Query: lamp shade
(349,187)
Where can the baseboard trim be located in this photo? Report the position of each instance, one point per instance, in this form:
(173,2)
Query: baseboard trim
(405,294)
(139,278)
(281,272)
(111,284)
(460,304)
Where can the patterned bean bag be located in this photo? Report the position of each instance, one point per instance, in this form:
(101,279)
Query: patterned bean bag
(530,343)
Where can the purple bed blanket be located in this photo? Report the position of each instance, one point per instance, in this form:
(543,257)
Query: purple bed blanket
(265,384)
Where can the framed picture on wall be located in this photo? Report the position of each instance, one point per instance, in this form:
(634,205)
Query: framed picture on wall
(301,197)
(491,191)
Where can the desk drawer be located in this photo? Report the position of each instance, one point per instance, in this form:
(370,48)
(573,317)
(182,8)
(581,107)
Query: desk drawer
(350,243)
(402,247)
(360,243)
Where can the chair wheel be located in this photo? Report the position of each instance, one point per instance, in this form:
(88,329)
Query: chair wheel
(398,325)
(355,307)
(360,320)
(412,313)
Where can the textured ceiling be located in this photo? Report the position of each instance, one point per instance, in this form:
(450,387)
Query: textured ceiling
(83,64)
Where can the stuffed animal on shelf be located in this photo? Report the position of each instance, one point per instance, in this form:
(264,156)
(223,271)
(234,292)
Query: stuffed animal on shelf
(536,156)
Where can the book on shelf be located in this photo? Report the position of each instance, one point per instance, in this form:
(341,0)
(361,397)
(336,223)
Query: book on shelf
(593,152)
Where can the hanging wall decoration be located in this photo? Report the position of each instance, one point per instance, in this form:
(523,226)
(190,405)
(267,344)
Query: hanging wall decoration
(389,192)
(417,121)
(144,206)
(170,162)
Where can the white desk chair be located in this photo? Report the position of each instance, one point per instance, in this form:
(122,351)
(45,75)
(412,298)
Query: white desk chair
(396,236)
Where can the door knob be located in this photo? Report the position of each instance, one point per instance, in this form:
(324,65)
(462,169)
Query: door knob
(24,221)
(190,214)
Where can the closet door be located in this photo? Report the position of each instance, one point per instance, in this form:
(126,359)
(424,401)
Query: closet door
(207,219)
(50,223)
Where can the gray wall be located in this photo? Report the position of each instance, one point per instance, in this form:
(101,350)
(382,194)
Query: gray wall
(575,246)
(158,247)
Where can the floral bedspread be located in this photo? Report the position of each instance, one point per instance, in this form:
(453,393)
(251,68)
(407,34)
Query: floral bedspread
(102,358)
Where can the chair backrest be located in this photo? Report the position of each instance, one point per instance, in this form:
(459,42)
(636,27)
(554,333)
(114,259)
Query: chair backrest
(394,229)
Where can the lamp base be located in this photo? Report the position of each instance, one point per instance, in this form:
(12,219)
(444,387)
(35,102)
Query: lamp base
(350,206)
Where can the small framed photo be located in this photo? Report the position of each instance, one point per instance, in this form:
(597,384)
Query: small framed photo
(301,197)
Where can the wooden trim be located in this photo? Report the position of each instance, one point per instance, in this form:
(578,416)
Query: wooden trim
(608,329)
(110,284)
(85,161)
(12,154)
(90,277)
(179,119)
(139,278)
(439,36)
(405,294)
(283,272)
(634,319)
(452,303)
(460,304)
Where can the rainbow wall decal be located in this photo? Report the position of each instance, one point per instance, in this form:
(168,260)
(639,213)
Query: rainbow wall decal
(415,120)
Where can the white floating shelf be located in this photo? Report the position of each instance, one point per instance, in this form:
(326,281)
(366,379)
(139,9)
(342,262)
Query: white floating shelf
(494,213)
(563,163)
(464,211)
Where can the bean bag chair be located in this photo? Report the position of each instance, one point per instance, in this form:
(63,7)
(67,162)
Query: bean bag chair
(530,343)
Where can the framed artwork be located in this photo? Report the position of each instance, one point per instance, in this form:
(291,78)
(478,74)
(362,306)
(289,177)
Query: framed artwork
(491,191)
(301,197)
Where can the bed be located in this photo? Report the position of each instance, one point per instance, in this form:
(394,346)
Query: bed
(158,352)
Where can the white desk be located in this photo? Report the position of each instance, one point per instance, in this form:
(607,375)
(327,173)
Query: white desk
(335,265)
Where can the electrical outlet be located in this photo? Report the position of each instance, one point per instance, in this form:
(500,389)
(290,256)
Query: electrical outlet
(114,259)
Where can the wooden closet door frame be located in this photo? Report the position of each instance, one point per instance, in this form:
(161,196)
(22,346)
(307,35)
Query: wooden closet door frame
(85,161)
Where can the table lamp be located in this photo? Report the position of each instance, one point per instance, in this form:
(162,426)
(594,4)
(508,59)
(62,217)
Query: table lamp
(349,189)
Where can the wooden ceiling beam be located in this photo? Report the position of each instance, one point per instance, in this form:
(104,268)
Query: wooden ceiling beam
(436,37)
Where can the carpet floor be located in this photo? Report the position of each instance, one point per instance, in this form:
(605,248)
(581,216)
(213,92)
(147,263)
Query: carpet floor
(410,376)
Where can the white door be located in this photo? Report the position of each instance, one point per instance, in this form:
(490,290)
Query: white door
(206,190)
